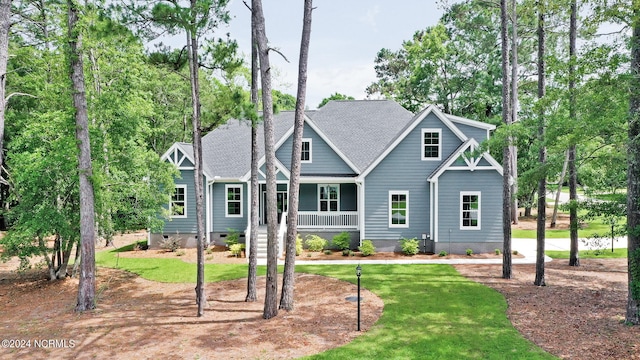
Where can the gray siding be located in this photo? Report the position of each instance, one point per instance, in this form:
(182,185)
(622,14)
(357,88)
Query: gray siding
(184,225)
(220,222)
(403,170)
(325,161)
(473,132)
(489,183)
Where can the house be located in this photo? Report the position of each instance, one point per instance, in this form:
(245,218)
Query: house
(369,167)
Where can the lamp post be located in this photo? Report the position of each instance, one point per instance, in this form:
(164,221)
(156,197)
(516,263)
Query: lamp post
(358,273)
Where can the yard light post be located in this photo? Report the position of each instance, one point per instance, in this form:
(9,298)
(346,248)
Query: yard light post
(358,273)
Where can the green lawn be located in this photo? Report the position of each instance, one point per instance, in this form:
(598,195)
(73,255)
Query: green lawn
(589,254)
(430,312)
(594,227)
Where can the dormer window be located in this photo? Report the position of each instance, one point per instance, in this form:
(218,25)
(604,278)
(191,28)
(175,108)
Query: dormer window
(305,155)
(431,144)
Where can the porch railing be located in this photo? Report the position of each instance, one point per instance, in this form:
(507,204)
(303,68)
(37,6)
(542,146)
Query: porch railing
(329,219)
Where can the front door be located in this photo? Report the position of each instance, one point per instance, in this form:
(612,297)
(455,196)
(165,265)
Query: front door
(282,200)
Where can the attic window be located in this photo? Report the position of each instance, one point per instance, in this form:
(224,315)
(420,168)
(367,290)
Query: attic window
(305,156)
(431,144)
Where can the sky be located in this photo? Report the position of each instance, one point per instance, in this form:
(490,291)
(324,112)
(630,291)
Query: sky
(346,35)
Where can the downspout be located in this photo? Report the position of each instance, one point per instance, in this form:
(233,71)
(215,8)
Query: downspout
(208,215)
(361,209)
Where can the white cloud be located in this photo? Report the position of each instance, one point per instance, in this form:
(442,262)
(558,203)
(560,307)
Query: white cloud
(369,18)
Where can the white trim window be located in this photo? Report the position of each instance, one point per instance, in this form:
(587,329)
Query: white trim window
(233,200)
(431,144)
(398,209)
(329,197)
(470,210)
(178,202)
(306,156)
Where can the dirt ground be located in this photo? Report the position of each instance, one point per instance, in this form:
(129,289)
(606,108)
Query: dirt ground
(578,315)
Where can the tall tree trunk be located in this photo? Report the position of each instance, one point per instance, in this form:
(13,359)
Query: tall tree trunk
(286,300)
(5,23)
(192,45)
(87,285)
(513,150)
(633,180)
(506,153)
(542,158)
(563,173)
(252,294)
(574,259)
(271,292)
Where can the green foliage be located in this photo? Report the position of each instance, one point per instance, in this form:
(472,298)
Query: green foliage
(588,254)
(409,246)
(328,252)
(236,249)
(442,253)
(299,247)
(232,238)
(334,96)
(315,243)
(342,241)
(498,252)
(469,252)
(367,248)
(634,274)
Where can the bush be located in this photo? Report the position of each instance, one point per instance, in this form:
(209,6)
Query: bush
(347,252)
(236,249)
(232,237)
(315,243)
(172,243)
(515,252)
(409,246)
(442,253)
(298,245)
(497,251)
(469,252)
(328,252)
(181,253)
(342,241)
(367,248)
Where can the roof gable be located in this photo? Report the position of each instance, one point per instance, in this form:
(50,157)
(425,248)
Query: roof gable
(461,160)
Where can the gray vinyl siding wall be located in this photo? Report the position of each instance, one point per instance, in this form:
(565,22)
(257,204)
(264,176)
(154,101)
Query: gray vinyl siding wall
(325,161)
(184,225)
(473,132)
(220,222)
(489,184)
(403,170)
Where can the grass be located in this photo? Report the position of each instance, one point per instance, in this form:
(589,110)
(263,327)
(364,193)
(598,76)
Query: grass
(589,254)
(430,311)
(594,227)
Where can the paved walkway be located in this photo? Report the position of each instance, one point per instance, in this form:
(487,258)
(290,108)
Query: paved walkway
(526,247)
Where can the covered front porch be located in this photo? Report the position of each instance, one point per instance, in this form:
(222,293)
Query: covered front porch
(330,205)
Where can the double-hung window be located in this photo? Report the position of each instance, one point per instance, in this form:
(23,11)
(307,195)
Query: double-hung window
(233,200)
(398,208)
(305,155)
(431,144)
(178,203)
(470,211)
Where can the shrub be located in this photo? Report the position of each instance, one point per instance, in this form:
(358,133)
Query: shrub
(172,243)
(342,241)
(181,253)
(232,237)
(497,251)
(315,243)
(298,245)
(236,249)
(347,252)
(469,252)
(442,253)
(409,246)
(515,252)
(367,248)
(328,252)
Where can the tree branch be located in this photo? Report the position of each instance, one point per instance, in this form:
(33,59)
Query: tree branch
(6,100)
(281,54)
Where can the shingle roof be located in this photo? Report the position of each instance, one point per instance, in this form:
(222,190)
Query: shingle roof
(361,129)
